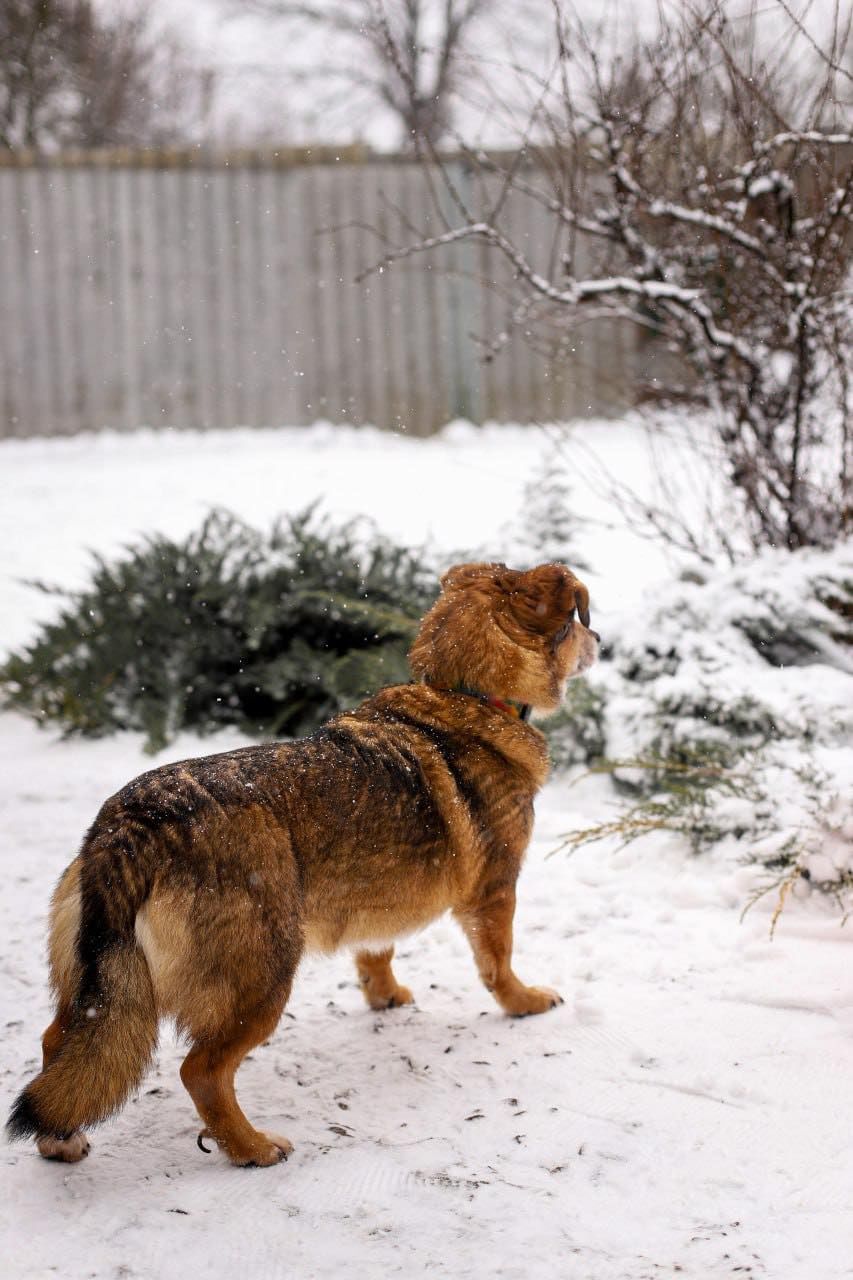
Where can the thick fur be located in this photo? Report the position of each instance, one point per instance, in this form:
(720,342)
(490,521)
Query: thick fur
(200,883)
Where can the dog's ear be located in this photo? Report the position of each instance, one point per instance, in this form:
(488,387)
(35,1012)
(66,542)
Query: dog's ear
(467,575)
(544,599)
(582,602)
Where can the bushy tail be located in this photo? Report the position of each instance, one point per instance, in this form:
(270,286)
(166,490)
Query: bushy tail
(104,1054)
(105,1033)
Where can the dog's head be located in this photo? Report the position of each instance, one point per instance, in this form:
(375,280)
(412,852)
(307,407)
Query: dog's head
(507,633)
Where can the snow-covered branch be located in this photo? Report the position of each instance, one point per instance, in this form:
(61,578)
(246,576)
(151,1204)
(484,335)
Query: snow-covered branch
(682,195)
(577,292)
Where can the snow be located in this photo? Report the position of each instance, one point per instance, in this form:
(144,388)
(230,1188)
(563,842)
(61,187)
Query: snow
(66,498)
(684,1112)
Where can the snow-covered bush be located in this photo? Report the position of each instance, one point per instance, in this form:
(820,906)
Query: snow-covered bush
(700,191)
(746,658)
(273,633)
(729,715)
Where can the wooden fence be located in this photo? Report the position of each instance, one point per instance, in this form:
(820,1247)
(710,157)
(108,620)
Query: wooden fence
(194,291)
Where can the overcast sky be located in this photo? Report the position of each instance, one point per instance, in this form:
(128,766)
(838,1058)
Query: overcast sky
(276,86)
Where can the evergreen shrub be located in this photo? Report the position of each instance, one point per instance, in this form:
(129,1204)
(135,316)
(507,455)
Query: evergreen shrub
(272,633)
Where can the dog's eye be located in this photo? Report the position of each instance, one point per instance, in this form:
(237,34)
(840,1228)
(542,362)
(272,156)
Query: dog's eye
(564,630)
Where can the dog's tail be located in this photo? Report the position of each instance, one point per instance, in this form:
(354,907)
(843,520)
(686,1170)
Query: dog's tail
(105,1032)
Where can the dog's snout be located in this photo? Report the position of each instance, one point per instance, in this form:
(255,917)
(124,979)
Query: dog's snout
(594,635)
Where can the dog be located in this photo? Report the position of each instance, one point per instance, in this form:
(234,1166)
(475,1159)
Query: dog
(200,883)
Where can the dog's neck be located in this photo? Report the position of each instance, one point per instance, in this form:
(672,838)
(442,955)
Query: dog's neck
(518,710)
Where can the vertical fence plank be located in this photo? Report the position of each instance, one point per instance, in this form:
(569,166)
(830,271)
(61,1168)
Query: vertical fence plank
(341,194)
(248,283)
(37,332)
(431,303)
(147,226)
(128,299)
(290,323)
(266,300)
(332,362)
(294,312)
(188,412)
(82,251)
(201,344)
(223,216)
(316,346)
(17,416)
(110,337)
(169,301)
(416,318)
(354,257)
(373,328)
(46,272)
(63,237)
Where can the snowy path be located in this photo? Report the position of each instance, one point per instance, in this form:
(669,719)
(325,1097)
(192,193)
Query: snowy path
(685,1112)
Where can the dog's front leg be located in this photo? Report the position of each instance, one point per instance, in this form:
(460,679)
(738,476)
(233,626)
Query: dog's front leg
(488,928)
(381,989)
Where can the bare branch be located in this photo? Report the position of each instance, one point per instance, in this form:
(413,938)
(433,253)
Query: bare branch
(693,193)
(409,54)
(822,54)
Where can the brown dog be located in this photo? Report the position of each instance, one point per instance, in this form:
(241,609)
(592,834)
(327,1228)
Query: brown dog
(200,883)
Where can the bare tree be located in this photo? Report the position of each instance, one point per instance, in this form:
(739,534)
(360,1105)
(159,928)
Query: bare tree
(409,56)
(711,179)
(71,77)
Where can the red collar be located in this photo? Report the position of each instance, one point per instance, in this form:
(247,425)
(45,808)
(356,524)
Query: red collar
(518,710)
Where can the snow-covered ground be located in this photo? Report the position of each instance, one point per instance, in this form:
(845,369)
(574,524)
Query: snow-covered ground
(686,1112)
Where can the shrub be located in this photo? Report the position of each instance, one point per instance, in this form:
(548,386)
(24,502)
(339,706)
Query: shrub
(728,717)
(271,633)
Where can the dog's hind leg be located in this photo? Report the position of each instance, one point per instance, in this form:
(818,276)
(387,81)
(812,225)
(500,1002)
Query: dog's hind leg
(52,1040)
(208,1074)
(381,989)
(488,928)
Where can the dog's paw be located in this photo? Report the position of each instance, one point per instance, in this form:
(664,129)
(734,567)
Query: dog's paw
(269,1149)
(393,1000)
(530,1000)
(283,1146)
(69,1150)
